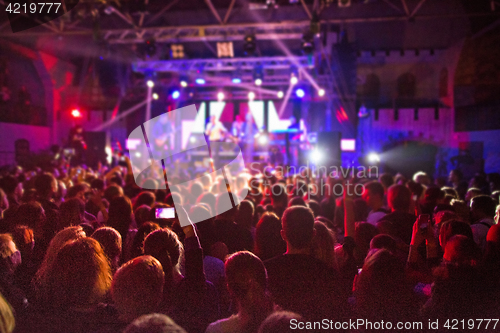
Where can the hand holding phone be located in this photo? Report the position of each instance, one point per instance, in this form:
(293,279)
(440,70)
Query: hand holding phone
(165,213)
(423,221)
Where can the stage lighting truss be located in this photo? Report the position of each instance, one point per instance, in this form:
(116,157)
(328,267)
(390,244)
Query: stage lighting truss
(250,44)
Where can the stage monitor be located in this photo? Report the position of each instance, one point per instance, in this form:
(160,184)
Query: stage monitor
(348,144)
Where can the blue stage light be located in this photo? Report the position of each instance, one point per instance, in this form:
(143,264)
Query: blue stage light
(200,80)
(176,94)
(236,80)
(300,93)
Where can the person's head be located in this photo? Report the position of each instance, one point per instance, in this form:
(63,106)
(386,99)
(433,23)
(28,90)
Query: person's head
(7,320)
(209,199)
(455,176)
(46,185)
(24,239)
(384,241)
(30,214)
(244,218)
(246,278)
(79,191)
(141,215)
(154,323)
(399,198)
(373,194)
(297,201)
(196,190)
(323,244)
(120,215)
(71,212)
(382,278)
(9,184)
(10,256)
(112,191)
(482,206)
(111,243)
(451,228)
(297,227)
(386,179)
(268,241)
(279,196)
(223,210)
(137,248)
(145,198)
(421,178)
(137,287)
(61,238)
(471,193)
(79,277)
(165,246)
(279,322)
(461,250)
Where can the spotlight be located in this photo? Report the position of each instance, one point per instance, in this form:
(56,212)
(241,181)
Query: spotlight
(76,113)
(251,95)
(176,94)
(280,94)
(300,93)
(308,42)
(150,84)
(177,51)
(192,139)
(155,96)
(258,82)
(258,74)
(294,80)
(321,92)
(220,96)
(200,80)
(373,158)
(262,139)
(316,156)
(249,45)
(183,83)
(236,80)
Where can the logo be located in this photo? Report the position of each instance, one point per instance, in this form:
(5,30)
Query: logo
(153,154)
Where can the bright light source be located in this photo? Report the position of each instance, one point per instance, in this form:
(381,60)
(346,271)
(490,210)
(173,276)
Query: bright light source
(176,94)
(183,83)
(76,113)
(263,139)
(251,95)
(155,96)
(192,139)
(220,96)
(258,82)
(280,94)
(316,156)
(300,93)
(348,144)
(373,158)
(294,80)
(137,154)
(321,92)
(236,80)
(150,84)
(200,80)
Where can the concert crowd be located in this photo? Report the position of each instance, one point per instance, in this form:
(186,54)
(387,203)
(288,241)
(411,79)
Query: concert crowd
(83,250)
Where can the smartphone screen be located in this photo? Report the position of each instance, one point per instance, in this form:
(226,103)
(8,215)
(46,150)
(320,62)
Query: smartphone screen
(165,213)
(424,223)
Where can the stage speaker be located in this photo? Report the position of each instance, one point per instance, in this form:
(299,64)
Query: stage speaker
(328,146)
(96,144)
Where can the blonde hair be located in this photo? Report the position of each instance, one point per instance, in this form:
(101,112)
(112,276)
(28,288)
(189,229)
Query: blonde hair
(7,321)
(323,244)
(80,275)
(59,240)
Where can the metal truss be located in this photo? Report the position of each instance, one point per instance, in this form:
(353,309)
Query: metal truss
(229,32)
(223,64)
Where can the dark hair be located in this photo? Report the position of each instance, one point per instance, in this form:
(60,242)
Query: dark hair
(154,323)
(9,183)
(268,241)
(278,322)
(110,240)
(112,191)
(245,214)
(196,190)
(120,215)
(141,215)
(386,179)
(399,198)
(137,248)
(145,198)
(484,204)
(278,194)
(74,190)
(44,184)
(242,267)
(298,226)
(30,214)
(451,228)
(98,184)
(375,188)
(71,213)
(297,201)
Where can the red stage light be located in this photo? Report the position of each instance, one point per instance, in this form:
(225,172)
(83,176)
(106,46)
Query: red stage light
(76,113)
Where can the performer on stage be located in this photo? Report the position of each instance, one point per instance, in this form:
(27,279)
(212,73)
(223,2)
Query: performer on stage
(77,142)
(215,130)
(237,130)
(216,133)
